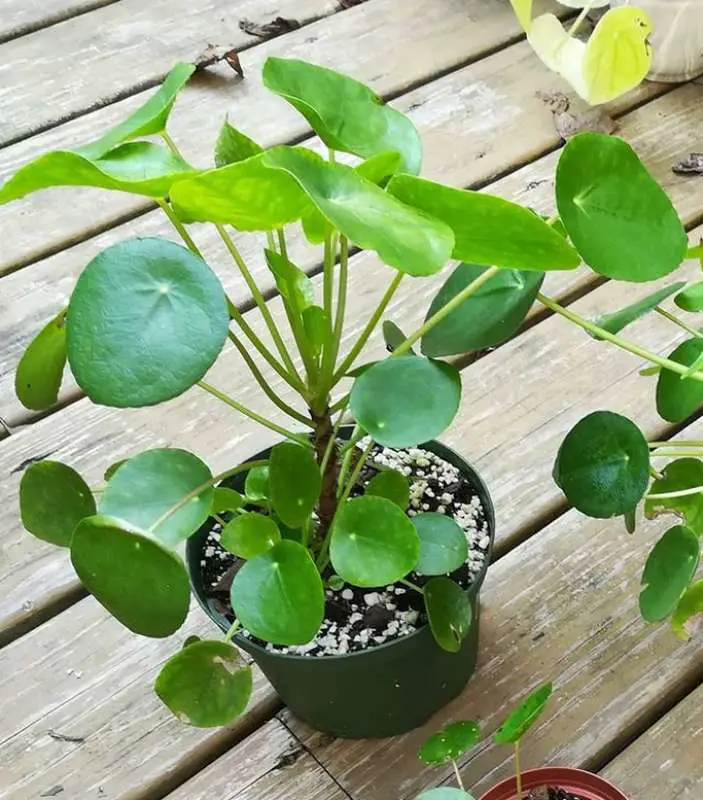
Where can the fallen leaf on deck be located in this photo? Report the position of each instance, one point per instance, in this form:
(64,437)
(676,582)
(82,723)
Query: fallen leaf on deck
(214,53)
(344,4)
(268,30)
(691,165)
(568,124)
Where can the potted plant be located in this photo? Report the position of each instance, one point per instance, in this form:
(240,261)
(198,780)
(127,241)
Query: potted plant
(346,560)
(543,783)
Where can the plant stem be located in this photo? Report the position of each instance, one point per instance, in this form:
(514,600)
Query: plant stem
(232,630)
(270,241)
(335,432)
(438,316)
(259,300)
(623,344)
(458,775)
(266,388)
(553,219)
(412,585)
(676,454)
(677,321)
(328,275)
(341,300)
(327,459)
(283,249)
(180,227)
(340,404)
(219,519)
(518,771)
(369,329)
(172,146)
(348,452)
(579,20)
(355,473)
(266,423)
(677,443)
(671,495)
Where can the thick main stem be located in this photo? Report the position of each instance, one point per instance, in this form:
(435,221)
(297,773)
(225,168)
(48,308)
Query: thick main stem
(326,453)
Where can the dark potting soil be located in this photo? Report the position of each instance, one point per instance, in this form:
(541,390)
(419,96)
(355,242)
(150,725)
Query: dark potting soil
(356,619)
(550,793)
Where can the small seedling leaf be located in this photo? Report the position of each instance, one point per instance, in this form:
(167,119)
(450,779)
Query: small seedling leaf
(249,535)
(450,743)
(40,371)
(294,483)
(679,475)
(256,484)
(448,611)
(690,604)
(524,716)
(393,336)
(226,499)
(391,485)
(233,146)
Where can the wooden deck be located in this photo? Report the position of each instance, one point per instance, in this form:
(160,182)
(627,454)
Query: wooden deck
(78,719)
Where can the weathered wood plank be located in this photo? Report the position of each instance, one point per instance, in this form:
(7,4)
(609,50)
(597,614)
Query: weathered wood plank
(356,42)
(503,413)
(665,761)
(18,18)
(91,679)
(269,765)
(561,607)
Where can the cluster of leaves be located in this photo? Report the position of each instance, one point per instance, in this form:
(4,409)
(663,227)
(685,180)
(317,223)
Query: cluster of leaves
(148,318)
(614,60)
(455,739)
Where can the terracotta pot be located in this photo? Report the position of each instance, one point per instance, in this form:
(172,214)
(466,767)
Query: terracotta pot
(677,38)
(576,781)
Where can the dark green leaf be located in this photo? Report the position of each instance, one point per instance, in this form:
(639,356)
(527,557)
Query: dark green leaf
(317,328)
(249,535)
(391,485)
(524,716)
(603,465)
(336,583)
(233,146)
(293,284)
(406,400)
(149,119)
(345,114)
(617,320)
(152,484)
(443,545)
(402,237)
(380,168)
(112,469)
(189,640)
(256,484)
(691,298)
(53,500)
(487,229)
(679,475)
(668,571)
(295,482)
(393,336)
(618,217)
(226,499)
(140,582)
(205,684)
(445,793)
(40,371)
(248,195)
(279,596)
(146,321)
(690,604)
(677,397)
(373,542)
(135,167)
(450,743)
(490,316)
(630,518)
(448,612)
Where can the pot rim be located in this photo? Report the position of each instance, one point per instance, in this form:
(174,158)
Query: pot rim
(577,780)
(252,647)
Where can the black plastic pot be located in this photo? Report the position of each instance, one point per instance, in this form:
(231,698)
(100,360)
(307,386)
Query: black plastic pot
(383,691)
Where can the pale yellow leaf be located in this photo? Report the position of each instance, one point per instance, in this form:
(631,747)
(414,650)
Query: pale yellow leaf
(523,11)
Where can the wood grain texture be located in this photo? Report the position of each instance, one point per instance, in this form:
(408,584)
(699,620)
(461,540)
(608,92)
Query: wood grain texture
(18,18)
(498,411)
(665,761)
(91,679)
(561,607)
(45,222)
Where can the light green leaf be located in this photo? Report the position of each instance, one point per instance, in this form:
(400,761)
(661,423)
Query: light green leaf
(448,612)
(618,217)
(379,168)
(148,120)
(490,316)
(404,401)
(135,167)
(279,596)
(295,482)
(140,582)
(249,535)
(40,371)
(677,397)
(668,571)
(679,475)
(391,485)
(206,684)
(233,146)
(615,321)
(445,793)
(524,716)
(226,499)
(402,237)
(345,114)
(450,743)
(691,298)
(293,284)
(53,500)
(146,321)
(317,328)
(443,545)
(373,542)
(150,485)
(690,604)
(256,484)
(488,230)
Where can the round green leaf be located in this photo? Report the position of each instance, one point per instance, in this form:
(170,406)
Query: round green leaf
(189,640)
(150,485)
(668,571)
(373,542)
(391,485)
(603,465)
(618,217)
(53,500)
(450,743)
(690,604)
(294,482)
(691,298)
(445,793)
(524,716)
(278,596)
(448,611)
(249,535)
(112,469)
(677,397)
(205,684)
(256,484)
(226,499)
(490,316)
(146,321)
(679,475)
(443,545)
(139,581)
(40,371)
(405,401)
